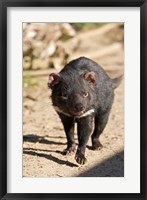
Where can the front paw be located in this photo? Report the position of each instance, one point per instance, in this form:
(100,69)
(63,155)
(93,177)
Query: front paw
(96,145)
(80,158)
(69,151)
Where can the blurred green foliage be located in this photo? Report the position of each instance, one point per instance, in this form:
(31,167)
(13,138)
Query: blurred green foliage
(86,26)
(32,81)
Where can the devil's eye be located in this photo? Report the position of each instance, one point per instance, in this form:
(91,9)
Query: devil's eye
(85,94)
(64,96)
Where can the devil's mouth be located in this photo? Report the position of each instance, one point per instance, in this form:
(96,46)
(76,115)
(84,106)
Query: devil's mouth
(79,113)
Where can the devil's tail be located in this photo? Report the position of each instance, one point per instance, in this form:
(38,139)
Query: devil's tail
(117,81)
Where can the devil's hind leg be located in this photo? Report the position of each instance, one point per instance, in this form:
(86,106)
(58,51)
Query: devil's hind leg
(100,122)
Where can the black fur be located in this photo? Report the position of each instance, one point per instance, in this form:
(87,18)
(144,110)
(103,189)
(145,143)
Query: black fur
(82,85)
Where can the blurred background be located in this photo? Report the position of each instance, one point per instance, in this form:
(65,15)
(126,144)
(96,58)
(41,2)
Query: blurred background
(52,45)
(47,47)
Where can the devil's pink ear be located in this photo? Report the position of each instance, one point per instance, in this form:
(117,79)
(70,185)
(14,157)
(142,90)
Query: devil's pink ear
(53,80)
(90,77)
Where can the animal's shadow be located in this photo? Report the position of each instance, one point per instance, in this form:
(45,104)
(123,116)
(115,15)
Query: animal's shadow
(47,156)
(34,138)
(34,152)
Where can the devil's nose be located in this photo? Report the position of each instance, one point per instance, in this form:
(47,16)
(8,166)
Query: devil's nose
(79,107)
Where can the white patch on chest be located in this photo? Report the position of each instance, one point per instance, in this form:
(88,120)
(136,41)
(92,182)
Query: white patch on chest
(60,111)
(89,112)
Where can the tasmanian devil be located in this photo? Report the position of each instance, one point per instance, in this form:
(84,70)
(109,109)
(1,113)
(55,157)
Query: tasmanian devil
(82,92)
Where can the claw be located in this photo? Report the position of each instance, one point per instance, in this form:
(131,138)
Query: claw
(69,151)
(80,158)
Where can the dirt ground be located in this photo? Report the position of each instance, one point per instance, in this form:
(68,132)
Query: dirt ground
(44,138)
